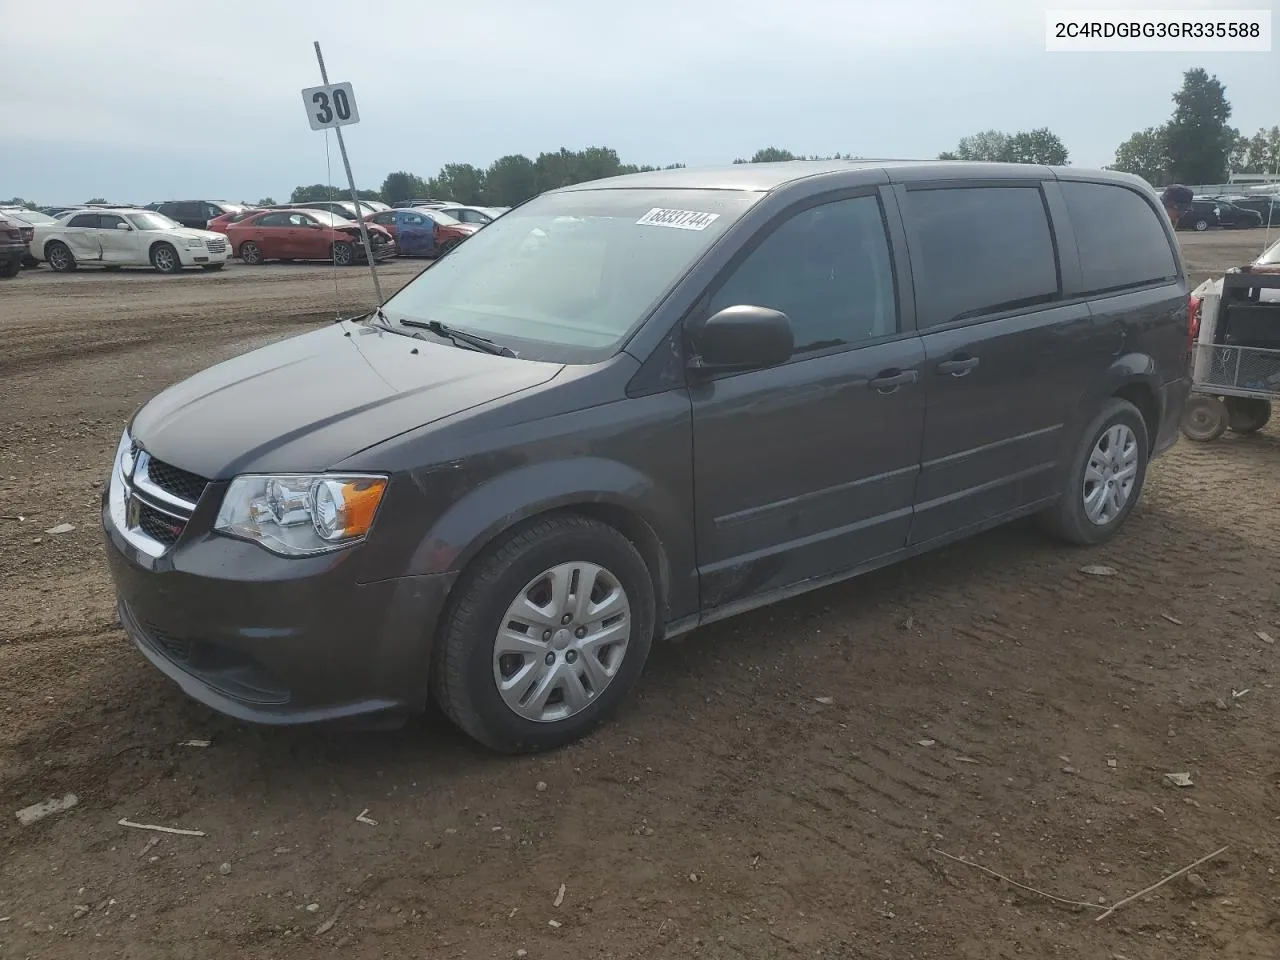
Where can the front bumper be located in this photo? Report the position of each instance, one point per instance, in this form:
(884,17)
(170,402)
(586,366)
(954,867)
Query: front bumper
(191,256)
(272,640)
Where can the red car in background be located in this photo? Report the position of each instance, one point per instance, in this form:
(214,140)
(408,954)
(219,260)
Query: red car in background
(305,235)
(220,224)
(422,232)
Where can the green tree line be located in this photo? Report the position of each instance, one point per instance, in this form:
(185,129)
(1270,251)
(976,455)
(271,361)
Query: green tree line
(1197,144)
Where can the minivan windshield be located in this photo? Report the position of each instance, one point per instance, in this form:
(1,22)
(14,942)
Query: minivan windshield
(567,277)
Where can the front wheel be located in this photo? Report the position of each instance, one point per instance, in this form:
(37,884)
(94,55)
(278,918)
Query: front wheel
(1204,419)
(60,257)
(343,253)
(1247,414)
(251,253)
(165,258)
(1104,478)
(545,635)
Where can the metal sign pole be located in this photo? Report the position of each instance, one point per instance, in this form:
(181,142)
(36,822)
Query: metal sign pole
(351,182)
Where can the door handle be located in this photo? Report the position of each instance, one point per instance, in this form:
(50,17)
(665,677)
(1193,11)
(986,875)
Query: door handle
(890,380)
(958,366)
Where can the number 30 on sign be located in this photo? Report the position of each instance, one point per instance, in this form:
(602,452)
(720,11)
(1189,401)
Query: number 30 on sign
(333,105)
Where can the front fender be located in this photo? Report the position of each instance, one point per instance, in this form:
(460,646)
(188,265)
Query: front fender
(482,515)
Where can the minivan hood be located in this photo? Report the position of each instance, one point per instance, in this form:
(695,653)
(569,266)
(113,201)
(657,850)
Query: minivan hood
(311,401)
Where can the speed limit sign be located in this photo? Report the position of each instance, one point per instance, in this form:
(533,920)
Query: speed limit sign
(333,105)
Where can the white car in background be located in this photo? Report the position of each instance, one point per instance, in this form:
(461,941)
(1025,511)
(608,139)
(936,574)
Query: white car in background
(125,237)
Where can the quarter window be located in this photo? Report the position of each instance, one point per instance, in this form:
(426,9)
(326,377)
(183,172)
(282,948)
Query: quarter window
(979,250)
(828,269)
(1119,237)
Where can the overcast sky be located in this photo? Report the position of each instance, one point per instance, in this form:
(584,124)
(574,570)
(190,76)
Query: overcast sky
(136,101)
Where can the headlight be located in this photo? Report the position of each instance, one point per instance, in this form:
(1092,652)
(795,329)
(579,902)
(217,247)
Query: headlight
(195,242)
(297,515)
(124,453)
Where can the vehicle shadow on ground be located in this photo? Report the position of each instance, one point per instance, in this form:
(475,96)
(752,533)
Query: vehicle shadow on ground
(147,718)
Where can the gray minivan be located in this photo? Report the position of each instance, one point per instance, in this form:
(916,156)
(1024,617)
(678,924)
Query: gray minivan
(631,407)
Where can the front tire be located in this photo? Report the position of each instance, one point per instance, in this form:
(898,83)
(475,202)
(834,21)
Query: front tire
(545,635)
(1105,477)
(1247,414)
(251,253)
(60,258)
(164,257)
(344,254)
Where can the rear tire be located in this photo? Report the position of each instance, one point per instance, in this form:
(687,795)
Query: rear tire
(1104,477)
(164,257)
(60,257)
(1204,419)
(1247,414)
(467,664)
(1201,225)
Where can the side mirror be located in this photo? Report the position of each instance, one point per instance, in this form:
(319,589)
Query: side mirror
(742,337)
(123,226)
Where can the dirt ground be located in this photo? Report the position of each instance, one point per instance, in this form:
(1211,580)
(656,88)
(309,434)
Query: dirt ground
(990,701)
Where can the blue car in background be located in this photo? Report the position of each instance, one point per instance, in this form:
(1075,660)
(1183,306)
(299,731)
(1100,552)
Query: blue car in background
(422,232)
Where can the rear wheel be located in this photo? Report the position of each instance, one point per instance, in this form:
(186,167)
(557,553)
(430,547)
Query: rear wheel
(59,256)
(1204,419)
(164,257)
(545,635)
(251,253)
(1104,478)
(1202,224)
(1247,414)
(343,253)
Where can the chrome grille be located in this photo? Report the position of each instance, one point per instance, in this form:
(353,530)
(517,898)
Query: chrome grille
(216,246)
(150,501)
(161,527)
(181,483)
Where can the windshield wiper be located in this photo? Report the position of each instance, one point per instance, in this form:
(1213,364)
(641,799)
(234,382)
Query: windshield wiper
(461,337)
(379,319)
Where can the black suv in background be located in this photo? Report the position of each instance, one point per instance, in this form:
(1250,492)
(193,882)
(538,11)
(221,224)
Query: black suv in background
(195,213)
(1266,206)
(628,408)
(1206,212)
(13,246)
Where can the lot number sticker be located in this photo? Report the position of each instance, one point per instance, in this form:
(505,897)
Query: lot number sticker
(680,219)
(330,106)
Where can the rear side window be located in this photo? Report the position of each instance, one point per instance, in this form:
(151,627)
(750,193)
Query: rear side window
(1119,236)
(979,250)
